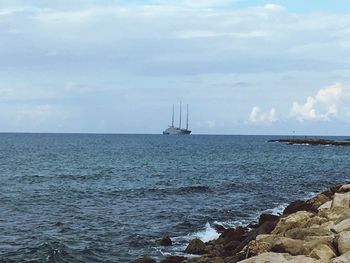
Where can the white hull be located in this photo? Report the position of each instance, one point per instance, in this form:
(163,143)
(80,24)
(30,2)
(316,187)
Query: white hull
(176,131)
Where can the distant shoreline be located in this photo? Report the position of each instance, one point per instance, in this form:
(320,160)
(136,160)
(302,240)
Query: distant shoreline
(313,141)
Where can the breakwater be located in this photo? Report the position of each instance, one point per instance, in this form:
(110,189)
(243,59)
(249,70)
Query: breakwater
(306,141)
(316,231)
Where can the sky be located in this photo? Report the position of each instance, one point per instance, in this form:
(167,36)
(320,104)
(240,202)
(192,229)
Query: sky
(113,66)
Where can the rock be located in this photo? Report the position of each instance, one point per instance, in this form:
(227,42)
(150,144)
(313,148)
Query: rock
(267,257)
(267,217)
(270,257)
(335,189)
(258,247)
(327,240)
(341,200)
(302,233)
(219,228)
(298,219)
(344,188)
(317,201)
(328,225)
(173,259)
(333,214)
(298,205)
(218,260)
(196,247)
(342,259)
(232,234)
(326,205)
(323,252)
(344,215)
(165,241)
(230,247)
(342,226)
(344,242)
(328,193)
(316,221)
(289,245)
(144,260)
(265,228)
(294,246)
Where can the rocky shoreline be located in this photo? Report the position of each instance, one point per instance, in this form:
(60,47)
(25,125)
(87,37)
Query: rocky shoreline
(312,231)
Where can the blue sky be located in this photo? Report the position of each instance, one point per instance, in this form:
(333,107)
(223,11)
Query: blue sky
(245,67)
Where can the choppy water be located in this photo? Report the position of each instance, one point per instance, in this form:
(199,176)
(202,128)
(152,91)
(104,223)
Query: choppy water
(108,198)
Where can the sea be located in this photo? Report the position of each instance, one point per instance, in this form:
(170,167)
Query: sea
(110,198)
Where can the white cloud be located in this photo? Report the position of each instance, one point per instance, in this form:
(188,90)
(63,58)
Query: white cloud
(323,106)
(197,3)
(274,8)
(258,116)
(39,115)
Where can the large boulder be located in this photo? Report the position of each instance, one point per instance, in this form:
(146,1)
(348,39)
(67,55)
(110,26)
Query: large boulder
(280,244)
(335,189)
(267,257)
(344,242)
(298,205)
(342,259)
(302,233)
(196,247)
(219,228)
(316,221)
(265,228)
(289,245)
(333,214)
(341,200)
(232,234)
(217,260)
(323,252)
(326,205)
(165,241)
(298,219)
(317,201)
(255,248)
(342,226)
(327,240)
(270,257)
(267,218)
(344,188)
(343,216)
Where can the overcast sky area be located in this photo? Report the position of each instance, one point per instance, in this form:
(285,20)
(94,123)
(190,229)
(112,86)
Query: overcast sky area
(109,66)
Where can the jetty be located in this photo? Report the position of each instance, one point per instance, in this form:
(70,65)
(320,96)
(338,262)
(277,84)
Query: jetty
(312,141)
(316,230)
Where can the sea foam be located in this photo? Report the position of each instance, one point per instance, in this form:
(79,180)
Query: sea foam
(208,234)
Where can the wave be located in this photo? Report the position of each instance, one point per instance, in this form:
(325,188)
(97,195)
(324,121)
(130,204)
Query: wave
(49,252)
(130,193)
(208,234)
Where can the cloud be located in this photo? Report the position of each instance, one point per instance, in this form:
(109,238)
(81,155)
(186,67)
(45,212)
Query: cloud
(257,116)
(274,8)
(38,117)
(323,106)
(163,38)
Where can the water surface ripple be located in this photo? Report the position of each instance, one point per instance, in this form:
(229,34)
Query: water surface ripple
(108,198)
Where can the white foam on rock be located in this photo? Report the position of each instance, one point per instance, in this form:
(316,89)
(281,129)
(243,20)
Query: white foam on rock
(208,234)
(276,210)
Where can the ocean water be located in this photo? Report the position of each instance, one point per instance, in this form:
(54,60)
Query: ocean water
(109,198)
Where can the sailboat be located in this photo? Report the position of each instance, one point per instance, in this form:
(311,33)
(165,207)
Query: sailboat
(172,130)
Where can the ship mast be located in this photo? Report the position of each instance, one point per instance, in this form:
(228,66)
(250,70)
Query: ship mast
(180,116)
(172,119)
(187,119)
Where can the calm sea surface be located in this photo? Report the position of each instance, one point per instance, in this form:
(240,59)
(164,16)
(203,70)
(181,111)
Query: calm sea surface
(109,198)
